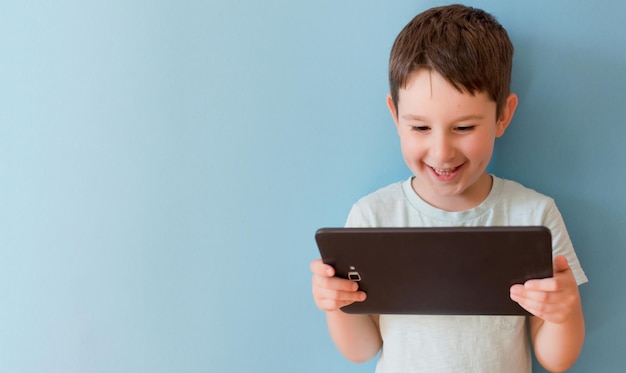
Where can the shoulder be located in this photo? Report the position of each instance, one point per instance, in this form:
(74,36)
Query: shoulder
(375,208)
(512,203)
(515,193)
(385,195)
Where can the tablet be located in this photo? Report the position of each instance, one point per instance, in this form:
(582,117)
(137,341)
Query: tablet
(437,271)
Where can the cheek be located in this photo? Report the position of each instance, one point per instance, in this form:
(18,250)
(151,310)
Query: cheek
(413,155)
(410,147)
(479,149)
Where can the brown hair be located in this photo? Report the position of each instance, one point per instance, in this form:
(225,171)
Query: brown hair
(467,46)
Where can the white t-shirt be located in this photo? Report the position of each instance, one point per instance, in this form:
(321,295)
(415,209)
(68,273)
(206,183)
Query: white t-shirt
(423,343)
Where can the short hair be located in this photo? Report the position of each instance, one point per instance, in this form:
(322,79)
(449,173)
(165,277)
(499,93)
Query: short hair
(467,46)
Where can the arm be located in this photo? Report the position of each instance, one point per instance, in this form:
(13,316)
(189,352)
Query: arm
(356,336)
(557,327)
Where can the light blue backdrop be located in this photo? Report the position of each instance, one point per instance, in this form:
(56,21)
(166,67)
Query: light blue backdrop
(164,165)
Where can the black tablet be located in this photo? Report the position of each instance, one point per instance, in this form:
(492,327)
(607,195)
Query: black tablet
(437,271)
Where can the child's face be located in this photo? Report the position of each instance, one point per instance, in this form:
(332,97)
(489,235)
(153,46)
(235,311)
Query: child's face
(447,139)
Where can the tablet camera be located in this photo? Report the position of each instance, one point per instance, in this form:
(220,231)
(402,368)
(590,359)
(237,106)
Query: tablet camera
(354,276)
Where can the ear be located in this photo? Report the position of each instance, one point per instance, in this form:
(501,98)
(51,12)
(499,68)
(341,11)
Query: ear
(392,109)
(507,114)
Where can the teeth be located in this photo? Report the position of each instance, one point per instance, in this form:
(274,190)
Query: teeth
(444,171)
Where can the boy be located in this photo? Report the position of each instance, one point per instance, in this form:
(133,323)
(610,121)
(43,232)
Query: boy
(449,74)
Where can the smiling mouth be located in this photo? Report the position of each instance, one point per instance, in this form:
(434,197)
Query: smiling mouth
(445,171)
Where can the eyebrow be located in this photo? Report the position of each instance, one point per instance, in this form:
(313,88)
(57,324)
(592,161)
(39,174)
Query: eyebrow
(459,119)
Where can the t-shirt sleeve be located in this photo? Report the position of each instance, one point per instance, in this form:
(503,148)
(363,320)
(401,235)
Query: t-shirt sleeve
(561,243)
(356,218)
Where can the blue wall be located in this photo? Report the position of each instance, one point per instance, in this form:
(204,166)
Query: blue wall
(164,165)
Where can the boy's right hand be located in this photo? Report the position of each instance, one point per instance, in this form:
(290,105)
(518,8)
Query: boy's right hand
(331,293)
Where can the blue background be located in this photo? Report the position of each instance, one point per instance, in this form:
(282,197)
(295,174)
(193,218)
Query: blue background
(165,164)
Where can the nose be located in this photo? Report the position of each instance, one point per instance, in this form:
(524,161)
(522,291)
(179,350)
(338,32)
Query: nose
(442,148)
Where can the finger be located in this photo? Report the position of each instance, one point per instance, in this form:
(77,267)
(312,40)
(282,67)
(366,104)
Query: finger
(565,296)
(552,312)
(560,264)
(549,284)
(554,306)
(545,311)
(334,305)
(336,283)
(561,281)
(537,301)
(332,300)
(340,295)
(517,289)
(319,268)
(543,297)
(521,295)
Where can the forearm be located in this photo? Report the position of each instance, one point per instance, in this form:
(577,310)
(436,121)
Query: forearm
(356,336)
(557,346)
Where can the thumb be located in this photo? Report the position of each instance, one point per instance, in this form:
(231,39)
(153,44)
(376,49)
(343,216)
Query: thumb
(560,264)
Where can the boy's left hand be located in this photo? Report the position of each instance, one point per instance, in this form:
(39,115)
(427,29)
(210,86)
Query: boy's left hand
(552,299)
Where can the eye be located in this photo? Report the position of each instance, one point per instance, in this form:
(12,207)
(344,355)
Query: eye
(465,128)
(420,128)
